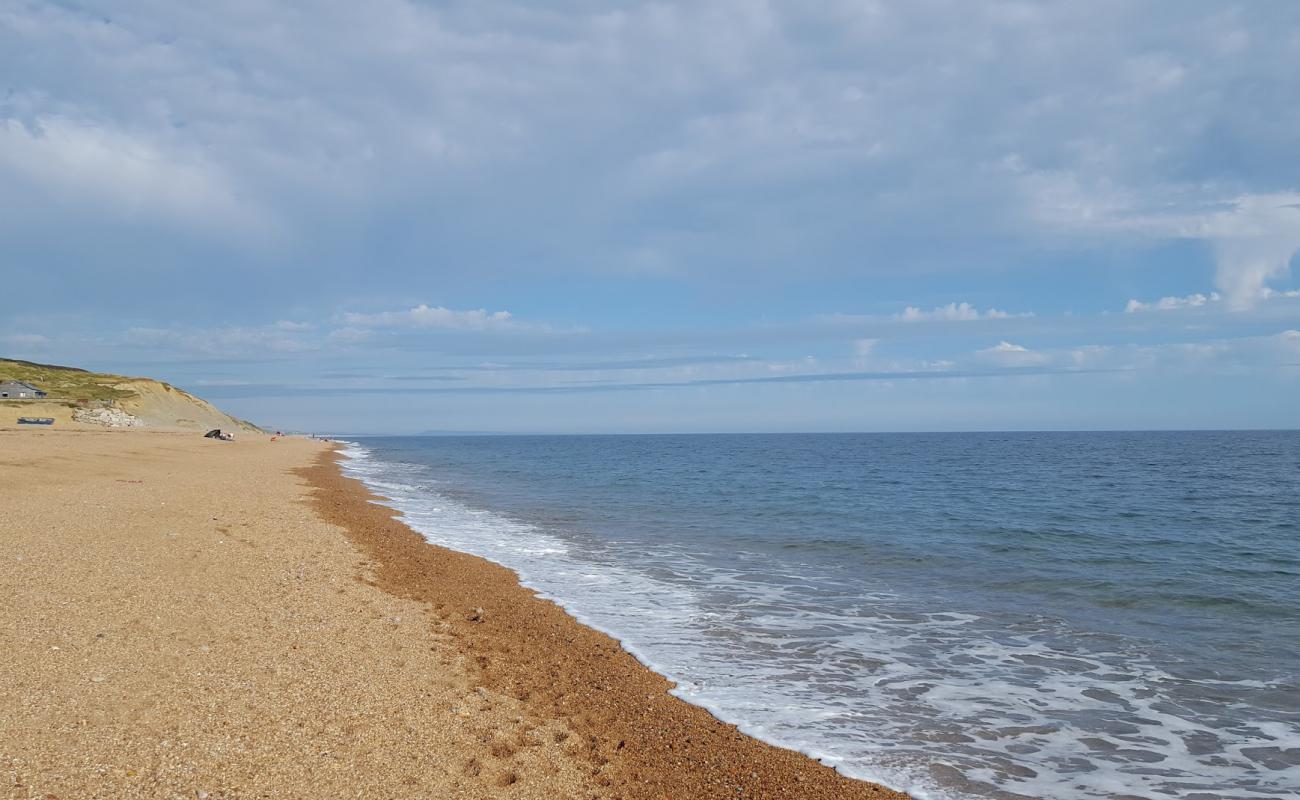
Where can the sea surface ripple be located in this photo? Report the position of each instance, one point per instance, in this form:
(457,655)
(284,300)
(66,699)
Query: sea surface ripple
(1064,615)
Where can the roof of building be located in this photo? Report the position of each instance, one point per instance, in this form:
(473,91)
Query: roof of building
(23,384)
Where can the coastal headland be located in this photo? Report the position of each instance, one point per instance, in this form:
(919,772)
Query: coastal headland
(188,618)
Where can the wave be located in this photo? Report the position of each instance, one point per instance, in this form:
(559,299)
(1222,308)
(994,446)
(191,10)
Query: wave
(940,703)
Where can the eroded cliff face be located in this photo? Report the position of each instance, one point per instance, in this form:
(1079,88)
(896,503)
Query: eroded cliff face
(159,405)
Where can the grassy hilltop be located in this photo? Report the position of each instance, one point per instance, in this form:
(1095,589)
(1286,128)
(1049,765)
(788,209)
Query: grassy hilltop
(65,383)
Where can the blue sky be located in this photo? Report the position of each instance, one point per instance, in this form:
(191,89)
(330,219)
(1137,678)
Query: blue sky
(700,216)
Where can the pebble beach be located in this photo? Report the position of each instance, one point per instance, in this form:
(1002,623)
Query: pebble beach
(190,618)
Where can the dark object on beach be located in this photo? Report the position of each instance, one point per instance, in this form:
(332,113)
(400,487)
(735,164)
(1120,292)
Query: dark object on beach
(215,433)
(36,420)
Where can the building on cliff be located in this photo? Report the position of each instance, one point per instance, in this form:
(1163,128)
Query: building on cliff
(18,390)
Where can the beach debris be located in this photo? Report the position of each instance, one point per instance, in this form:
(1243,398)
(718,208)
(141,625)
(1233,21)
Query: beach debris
(97,679)
(477,615)
(108,417)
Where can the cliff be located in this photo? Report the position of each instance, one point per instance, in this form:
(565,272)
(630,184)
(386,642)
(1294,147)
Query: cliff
(79,397)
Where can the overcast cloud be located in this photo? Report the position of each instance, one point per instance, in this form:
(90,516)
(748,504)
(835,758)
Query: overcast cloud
(257,195)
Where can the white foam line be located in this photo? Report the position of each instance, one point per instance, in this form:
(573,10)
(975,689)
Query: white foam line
(867,692)
(362,466)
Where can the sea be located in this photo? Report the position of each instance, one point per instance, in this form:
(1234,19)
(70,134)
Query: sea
(982,615)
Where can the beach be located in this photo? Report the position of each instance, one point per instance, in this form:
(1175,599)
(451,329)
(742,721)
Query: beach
(193,618)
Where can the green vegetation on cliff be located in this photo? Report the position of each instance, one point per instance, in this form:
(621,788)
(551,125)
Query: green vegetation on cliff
(65,383)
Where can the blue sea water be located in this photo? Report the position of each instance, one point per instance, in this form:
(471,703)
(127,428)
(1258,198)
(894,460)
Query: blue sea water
(1055,615)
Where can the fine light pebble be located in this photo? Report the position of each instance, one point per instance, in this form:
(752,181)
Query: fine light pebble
(288,672)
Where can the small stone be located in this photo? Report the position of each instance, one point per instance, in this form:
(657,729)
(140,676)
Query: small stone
(478,615)
(203,648)
(201,795)
(97,679)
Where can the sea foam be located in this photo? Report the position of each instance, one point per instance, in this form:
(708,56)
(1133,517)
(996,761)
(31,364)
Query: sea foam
(941,703)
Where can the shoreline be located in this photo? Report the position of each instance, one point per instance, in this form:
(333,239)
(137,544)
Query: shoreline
(639,740)
(227,620)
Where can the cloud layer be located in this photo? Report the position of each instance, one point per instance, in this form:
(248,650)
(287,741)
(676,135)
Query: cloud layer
(633,138)
(708,194)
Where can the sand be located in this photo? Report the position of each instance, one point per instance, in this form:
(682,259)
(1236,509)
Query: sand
(186,618)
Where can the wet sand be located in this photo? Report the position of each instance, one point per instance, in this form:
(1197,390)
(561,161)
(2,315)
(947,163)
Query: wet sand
(187,618)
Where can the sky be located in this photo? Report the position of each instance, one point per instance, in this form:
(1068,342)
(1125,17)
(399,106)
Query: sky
(714,215)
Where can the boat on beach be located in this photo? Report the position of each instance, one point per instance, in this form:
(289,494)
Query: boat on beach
(36,420)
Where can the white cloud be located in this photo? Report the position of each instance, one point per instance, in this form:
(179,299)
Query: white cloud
(1203,300)
(1253,236)
(1289,293)
(864,347)
(1288,345)
(1220,354)
(1090,356)
(1254,242)
(439,318)
(1006,354)
(952,312)
(1172,303)
(88,165)
(218,102)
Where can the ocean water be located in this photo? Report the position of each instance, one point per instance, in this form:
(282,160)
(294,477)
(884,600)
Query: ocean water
(1057,615)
